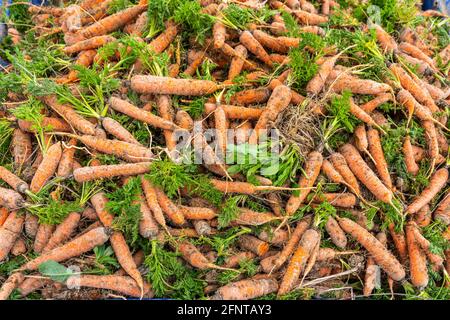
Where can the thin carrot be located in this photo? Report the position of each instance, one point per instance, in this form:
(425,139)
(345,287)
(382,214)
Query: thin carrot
(298,261)
(114,128)
(234,260)
(387,43)
(362,171)
(361,114)
(250,96)
(47,167)
(377,153)
(375,102)
(152,201)
(417,260)
(316,84)
(4,213)
(14,181)
(84,174)
(88,44)
(172,211)
(417,53)
(31,225)
(306,182)
(399,242)
(236,112)
(237,62)
(43,234)
(63,231)
(19,247)
(382,256)
(331,173)
(10,284)
(65,166)
(9,233)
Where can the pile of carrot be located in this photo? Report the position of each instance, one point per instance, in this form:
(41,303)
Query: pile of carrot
(371,185)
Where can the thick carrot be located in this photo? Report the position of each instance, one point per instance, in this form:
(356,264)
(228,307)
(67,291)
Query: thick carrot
(298,261)
(161,42)
(277,44)
(361,114)
(172,211)
(50,123)
(338,199)
(252,218)
(331,173)
(310,18)
(276,237)
(316,84)
(88,44)
(408,154)
(413,107)
(114,128)
(375,102)
(10,284)
(99,201)
(136,113)
(234,260)
(63,231)
(423,216)
(152,201)
(219,34)
(14,181)
(84,174)
(417,53)
(278,101)
(167,85)
(432,140)
(417,260)
(335,232)
(198,213)
(360,136)
(43,234)
(127,151)
(358,86)
(31,224)
(85,59)
(376,150)
(9,233)
(65,166)
(122,284)
(237,62)
(253,244)
(382,256)
(362,171)
(140,25)
(69,114)
(77,246)
(252,45)
(399,243)
(437,182)
(47,167)
(246,289)
(112,22)
(235,112)
(21,147)
(306,182)
(19,247)
(250,96)
(4,213)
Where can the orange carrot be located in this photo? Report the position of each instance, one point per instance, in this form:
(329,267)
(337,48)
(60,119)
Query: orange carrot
(377,153)
(10,284)
(63,231)
(99,201)
(252,218)
(331,172)
(357,86)
(14,181)
(253,244)
(360,136)
(195,64)
(21,147)
(219,34)
(140,25)
(277,44)
(152,201)
(43,234)
(417,53)
(237,62)
(335,232)
(198,213)
(31,225)
(432,140)
(362,171)
(236,112)
(382,256)
(114,128)
(246,289)
(167,85)
(437,182)
(88,44)
(312,170)
(9,233)
(161,42)
(50,123)
(19,247)
(252,45)
(250,96)
(316,84)
(65,166)
(342,200)
(310,18)
(361,114)
(171,210)
(4,213)
(84,174)
(47,167)
(276,237)
(417,260)
(442,211)
(375,102)
(234,260)
(399,242)
(387,43)
(298,261)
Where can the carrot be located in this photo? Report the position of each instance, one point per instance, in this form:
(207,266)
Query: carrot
(276,237)
(152,201)
(54,11)
(47,167)
(298,261)
(246,289)
(408,154)
(421,67)
(436,260)
(360,136)
(195,64)
(127,151)
(376,150)
(219,34)
(161,42)
(316,84)
(362,171)
(167,85)
(52,124)
(85,59)
(99,201)
(202,228)
(19,247)
(278,101)
(432,140)
(252,45)
(437,182)
(65,166)
(89,213)
(442,211)
(140,25)
(417,260)
(198,213)
(14,181)
(387,43)
(69,114)
(331,173)
(277,44)
(112,22)
(194,257)
(418,152)
(10,284)
(274,201)
(235,112)
(234,260)
(372,274)
(31,225)
(108,171)
(184,120)
(399,242)
(171,210)
(423,216)
(21,147)
(9,233)
(4,213)
(312,170)
(253,244)
(375,102)
(357,86)
(43,234)
(221,126)
(114,128)
(413,107)
(422,96)
(63,231)
(417,53)
(136,113)
(310,18)
(237,62)
(361,114)
(252,218)
(88,44)
(342,200)
(381,255)
(122,284)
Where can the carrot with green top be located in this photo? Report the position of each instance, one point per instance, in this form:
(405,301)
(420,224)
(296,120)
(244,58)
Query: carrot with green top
(161,42)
